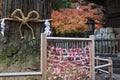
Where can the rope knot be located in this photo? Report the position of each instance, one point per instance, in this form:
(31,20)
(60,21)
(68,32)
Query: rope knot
(24,20)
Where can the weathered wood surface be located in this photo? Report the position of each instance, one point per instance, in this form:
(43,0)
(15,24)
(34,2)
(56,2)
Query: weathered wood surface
(41,6)
(12,35)
(107,47)
(13,49)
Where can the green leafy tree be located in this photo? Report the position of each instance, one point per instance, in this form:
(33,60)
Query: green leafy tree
(56,4)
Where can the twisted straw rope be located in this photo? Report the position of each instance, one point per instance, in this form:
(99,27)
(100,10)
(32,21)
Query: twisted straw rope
(24,20)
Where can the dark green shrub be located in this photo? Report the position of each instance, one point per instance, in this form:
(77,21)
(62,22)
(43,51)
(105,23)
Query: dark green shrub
(56,4)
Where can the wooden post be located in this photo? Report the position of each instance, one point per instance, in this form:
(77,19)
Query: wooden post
(97,62)
(43,56)
(92,59)
(110,69)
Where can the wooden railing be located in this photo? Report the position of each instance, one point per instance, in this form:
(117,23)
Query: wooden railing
(66,43)
(107,47)
(100,66)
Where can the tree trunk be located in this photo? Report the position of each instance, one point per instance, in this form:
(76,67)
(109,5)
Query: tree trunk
(12,45)
(41,6)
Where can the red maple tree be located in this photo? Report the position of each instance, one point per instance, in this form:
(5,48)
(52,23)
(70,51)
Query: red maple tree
(72,21)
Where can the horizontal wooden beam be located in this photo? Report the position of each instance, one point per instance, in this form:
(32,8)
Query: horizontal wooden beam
(67,38)
(17,74)
(39,20)
(101,66)
(103,71)
(102,59)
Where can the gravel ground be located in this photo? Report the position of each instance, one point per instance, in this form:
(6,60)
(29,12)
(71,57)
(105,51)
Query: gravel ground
(116,76)
(102,76)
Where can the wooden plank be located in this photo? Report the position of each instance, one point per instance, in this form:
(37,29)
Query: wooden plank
(92,60)
(102,59)
(15,74)
(103,71)
(110,69)
(97,62)
(43,56)
(67,38)
(101,66)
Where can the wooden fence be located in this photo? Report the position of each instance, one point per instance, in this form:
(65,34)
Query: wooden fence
(101,67)
(65,43)
(107,47)
(70,43)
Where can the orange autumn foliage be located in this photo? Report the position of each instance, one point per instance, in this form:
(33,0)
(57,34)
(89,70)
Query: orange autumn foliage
(69,21)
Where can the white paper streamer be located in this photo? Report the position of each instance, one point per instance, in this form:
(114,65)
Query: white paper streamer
(47,28)
(3,27)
